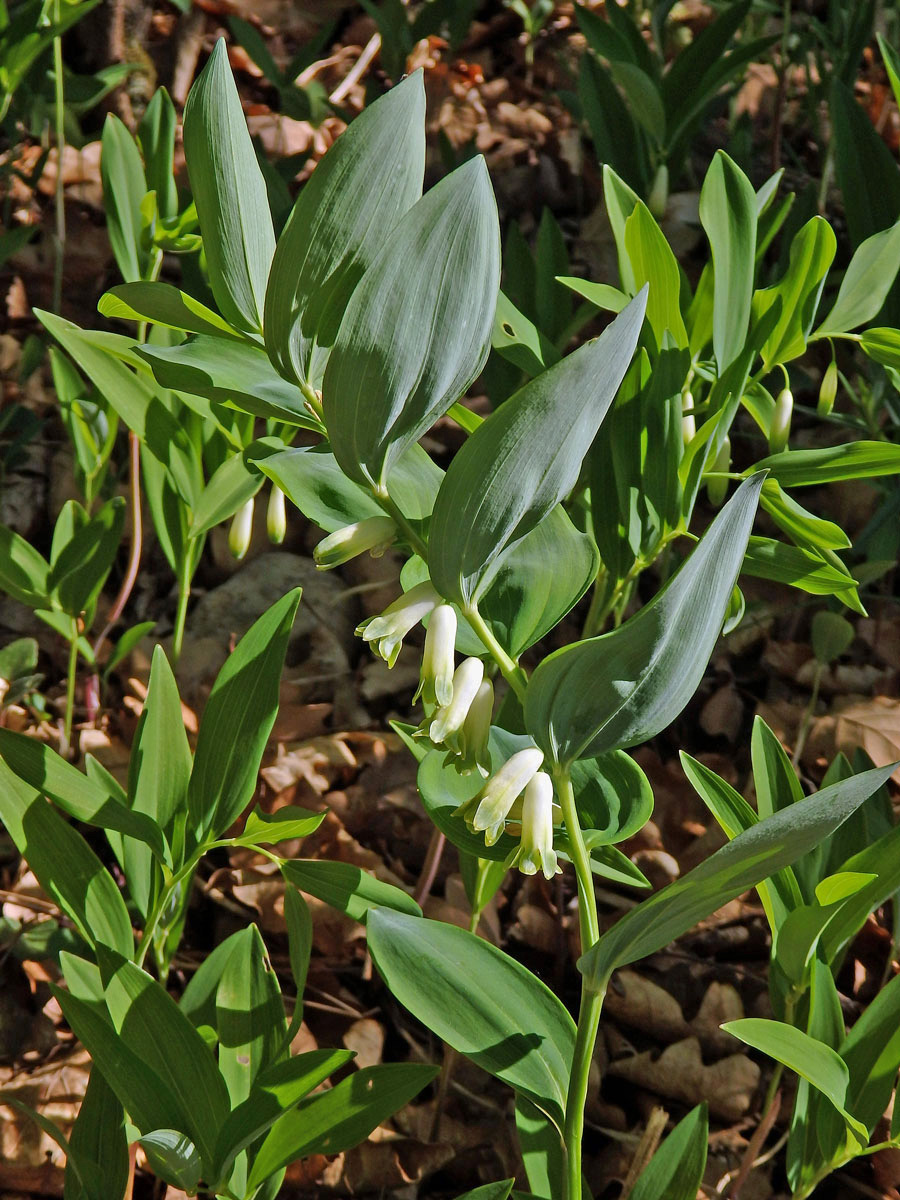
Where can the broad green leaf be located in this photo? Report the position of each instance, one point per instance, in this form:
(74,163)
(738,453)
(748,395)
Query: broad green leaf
(268,829)
(517,466)
(619,143)
(606,297)
(866,283)
(233,373)
(796,296)
(871,1051)
(728,214)
(173,1157)
(815,1062)
(490,1191)
(230,194)
(162,304)
(79,571)
(98,1145)
(237,721)
(349,889)
(146,1019)
(36,764)
(768,559)
(830,635)
(416,331)
(542,1149)
(124,187)
(311,478)
(23,570)
(229,487)
(620,689)
(752,856)
(804,528)
(126,643)
(519,340)
(250,1017)
(156,137)
(643,98)
(275,1090)
(368,179)
(891,63)
(198,1000)
(480,1001)
(654,264)
(830,464)
(883,345)
(341,1117)
(676,1169)
(881,859)
(65,866)
(300,934)
(613,797)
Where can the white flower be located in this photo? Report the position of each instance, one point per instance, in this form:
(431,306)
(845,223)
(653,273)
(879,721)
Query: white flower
(536,851)
(780,428)
(389,630)
(276,517)
(241,529)
(492,804)
(473,738)
(436,679)
(374,533)
(448,721)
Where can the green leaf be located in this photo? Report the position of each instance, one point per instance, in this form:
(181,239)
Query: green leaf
(275,1090)
(796,295)
(603,295)
(830,635)
(162,304)
(250,1017)
(804,569)
(517,466)
(300,933)
(268,829)
(156,137)
(804,528)
(349,889)
(341,1117)
(173,1157)
(146,1019)
(613,797)
(654,264)
(79,571)
(229,487)
(124,187)
(752,856)
(233,373)
(36,764)
(618,690)
(230,194)
(812,1060)
(866,283)
(365,183)
(237,721)
(831,464)
(519,340)
(881,859)
(98,1145)
(490,1191)
(882,345)
(480,1001)
(728,214)
(23,571)
(65,866)
(542,1149)
(676,1169)
(871,1051)
(416,331)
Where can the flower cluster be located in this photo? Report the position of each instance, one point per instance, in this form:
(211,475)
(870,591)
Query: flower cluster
(458,702)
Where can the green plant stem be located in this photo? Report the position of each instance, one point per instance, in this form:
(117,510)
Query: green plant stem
(59,197)
(313,401)
(70,682)
(591,1000)
(185,575)
(509,668)
(416,542)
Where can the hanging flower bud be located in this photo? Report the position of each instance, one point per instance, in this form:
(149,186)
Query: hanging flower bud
(374,534)
(536,851)
(436,681)
(241,529)
(448,721)
(659,192)
(828,390)
(688,422)
(780,428)
(389,630)
(474,736)
(276,517)
(487,812)
(716,489)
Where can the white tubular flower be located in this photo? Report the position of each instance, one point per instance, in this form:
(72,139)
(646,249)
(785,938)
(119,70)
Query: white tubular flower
(536,851)
(374,533)
(240,530)
(780,429)
(276,517)
(472,741)
(389,630)
(688,421)
(449,719)
(496,798)
(436,679)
